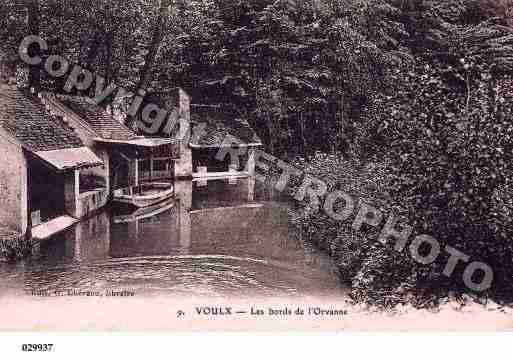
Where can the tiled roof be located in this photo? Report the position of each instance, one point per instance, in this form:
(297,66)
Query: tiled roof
(97,118)
(27,120)
(221,122)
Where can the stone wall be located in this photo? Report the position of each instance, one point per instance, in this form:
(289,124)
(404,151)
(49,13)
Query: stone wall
(79,205)
(183,167)
(13,185)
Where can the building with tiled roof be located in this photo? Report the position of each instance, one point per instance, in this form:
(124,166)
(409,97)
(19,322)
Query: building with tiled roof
(94,117)
(41,161)
(129,159)
(24,119)
(28,121)
(214,151)
(213,127)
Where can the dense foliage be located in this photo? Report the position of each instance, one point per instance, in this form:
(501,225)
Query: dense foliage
(446,125)
(299,71)
(443,127)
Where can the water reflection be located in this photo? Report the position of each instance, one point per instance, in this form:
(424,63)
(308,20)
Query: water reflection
(210,240)
(88,240)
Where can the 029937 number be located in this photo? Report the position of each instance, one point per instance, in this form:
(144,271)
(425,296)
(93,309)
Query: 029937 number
(37,347)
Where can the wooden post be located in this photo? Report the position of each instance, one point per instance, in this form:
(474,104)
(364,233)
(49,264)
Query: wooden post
(232,170)
(136,172)
(202,170)
(71,193)
(250,165)
(250,168)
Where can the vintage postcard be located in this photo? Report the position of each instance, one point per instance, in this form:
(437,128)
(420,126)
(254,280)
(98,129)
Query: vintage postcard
(256,165)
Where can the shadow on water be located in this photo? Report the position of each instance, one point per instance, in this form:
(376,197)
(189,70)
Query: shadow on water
(214,240)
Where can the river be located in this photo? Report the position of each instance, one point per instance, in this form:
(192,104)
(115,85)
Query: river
(210,241)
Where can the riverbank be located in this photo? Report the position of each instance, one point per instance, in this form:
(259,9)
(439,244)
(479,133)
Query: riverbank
(377,274)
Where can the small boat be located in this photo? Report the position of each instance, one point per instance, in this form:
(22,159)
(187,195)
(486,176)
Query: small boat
(145,212)
(144,195)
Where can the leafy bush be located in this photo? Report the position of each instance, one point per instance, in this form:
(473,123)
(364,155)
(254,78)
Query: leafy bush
(13,247)
(377,274)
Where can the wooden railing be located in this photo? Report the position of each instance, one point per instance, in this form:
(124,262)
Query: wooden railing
(145,175)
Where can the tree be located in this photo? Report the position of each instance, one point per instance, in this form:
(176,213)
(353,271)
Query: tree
(445,127)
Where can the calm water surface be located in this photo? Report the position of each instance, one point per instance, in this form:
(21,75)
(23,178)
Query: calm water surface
(218,240)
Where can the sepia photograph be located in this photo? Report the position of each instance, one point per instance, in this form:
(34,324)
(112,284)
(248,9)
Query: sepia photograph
(255,166)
